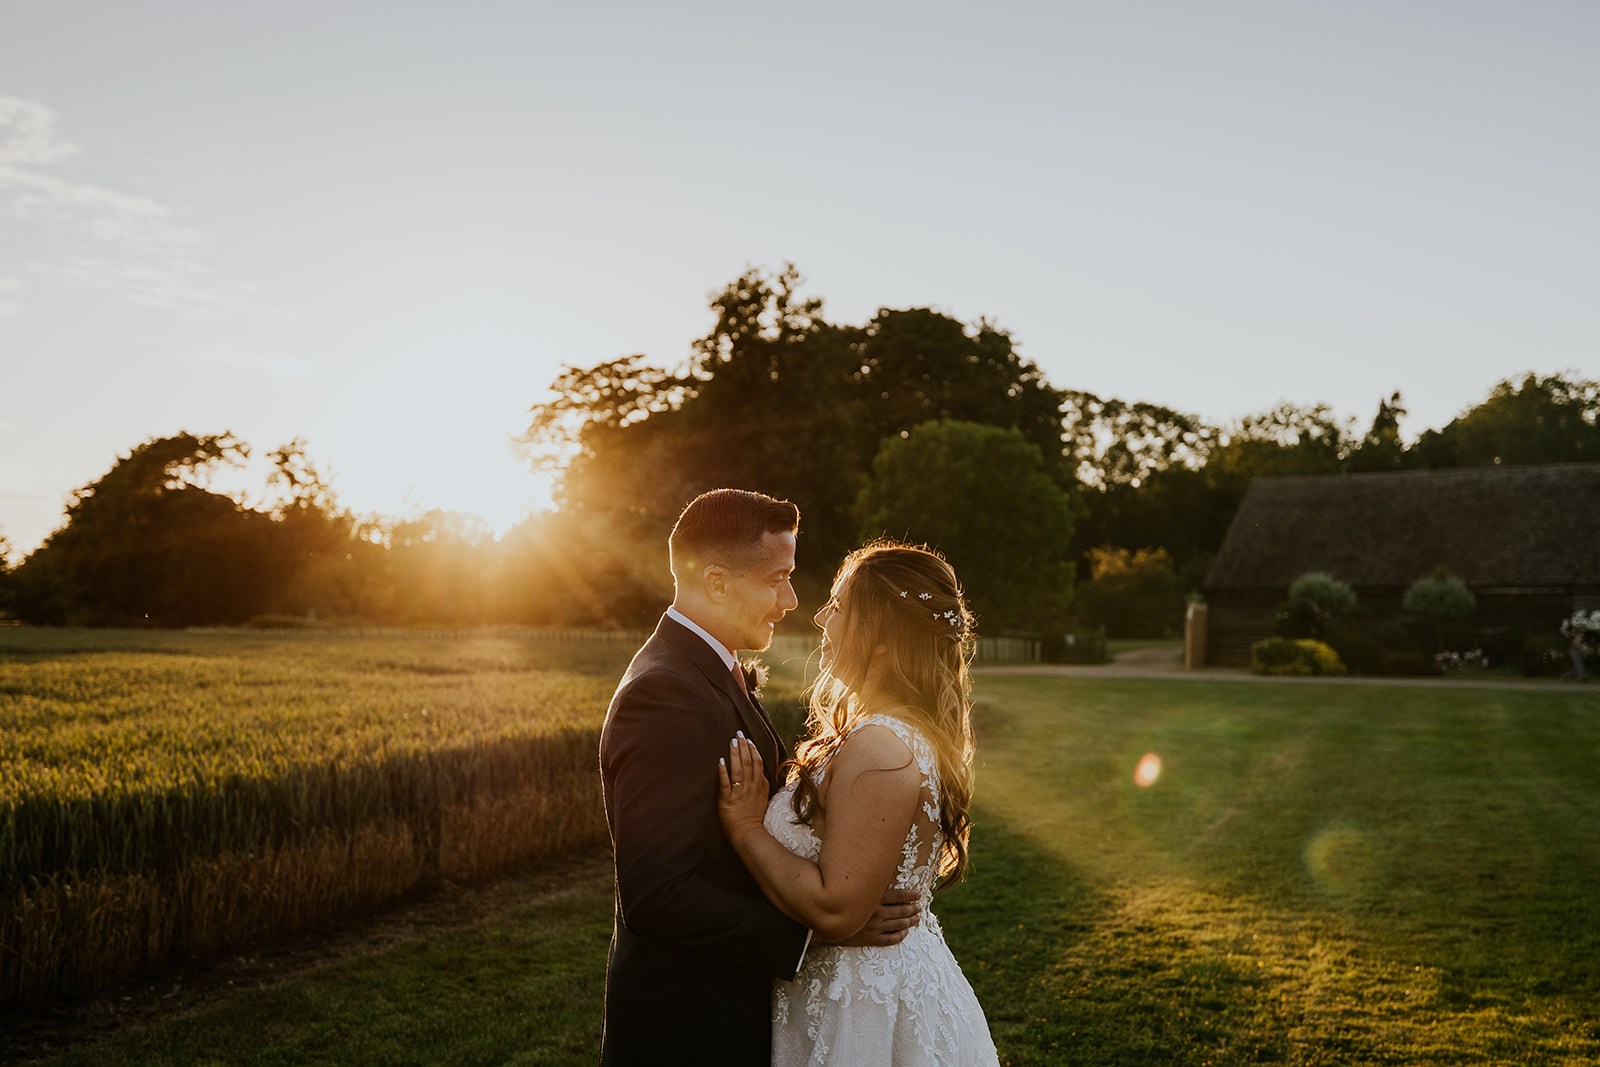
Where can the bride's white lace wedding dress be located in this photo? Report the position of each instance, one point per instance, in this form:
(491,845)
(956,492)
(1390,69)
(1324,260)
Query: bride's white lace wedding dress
(872,1007)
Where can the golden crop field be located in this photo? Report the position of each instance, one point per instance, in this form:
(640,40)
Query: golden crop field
(166,795)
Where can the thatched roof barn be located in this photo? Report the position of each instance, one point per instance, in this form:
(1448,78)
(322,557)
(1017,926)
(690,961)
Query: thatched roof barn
(1526,540)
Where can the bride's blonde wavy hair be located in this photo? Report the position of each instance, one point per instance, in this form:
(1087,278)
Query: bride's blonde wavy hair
(904,613)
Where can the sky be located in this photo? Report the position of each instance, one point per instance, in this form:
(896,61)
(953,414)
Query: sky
(384,227)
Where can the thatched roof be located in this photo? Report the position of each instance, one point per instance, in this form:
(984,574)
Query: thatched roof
(1492,526)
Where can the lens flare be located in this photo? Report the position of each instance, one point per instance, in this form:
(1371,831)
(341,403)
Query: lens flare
(1148,771)
(1343,862)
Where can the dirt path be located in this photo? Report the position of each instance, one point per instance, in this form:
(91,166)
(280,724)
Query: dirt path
(30,1034)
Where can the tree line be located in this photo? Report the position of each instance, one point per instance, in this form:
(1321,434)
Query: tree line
(1058,507)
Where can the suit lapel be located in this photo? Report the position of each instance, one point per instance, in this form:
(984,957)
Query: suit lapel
(760,731)
(757,727)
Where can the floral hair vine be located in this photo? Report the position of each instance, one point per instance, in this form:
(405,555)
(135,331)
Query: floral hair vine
(951,616)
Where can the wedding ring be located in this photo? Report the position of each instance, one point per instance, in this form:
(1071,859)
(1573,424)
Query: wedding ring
(738,783)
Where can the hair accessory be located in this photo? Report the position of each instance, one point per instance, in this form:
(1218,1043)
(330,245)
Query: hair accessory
(951,616)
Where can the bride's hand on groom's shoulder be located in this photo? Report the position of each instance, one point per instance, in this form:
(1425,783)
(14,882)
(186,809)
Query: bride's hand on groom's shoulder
(891,921)
(741,789)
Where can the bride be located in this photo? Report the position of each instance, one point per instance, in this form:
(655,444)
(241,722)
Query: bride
(877,796)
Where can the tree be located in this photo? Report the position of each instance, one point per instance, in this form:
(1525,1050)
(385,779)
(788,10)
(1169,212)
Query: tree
(919,365)
(5,576)
(1114,443)
(773,398)
(1282,440)
(984,497)
(1381,449)
(1316,599)
(1157,478)
(1439,597)
(146,543)
(149,544)
(1536,420)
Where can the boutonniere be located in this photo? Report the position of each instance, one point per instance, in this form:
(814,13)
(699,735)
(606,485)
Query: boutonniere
(755,675)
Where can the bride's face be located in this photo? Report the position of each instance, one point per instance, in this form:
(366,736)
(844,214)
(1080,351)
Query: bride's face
(832,620)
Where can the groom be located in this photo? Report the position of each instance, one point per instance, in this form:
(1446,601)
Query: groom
(695,945)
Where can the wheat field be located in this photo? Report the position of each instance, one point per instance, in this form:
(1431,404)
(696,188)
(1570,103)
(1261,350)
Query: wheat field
(165,796)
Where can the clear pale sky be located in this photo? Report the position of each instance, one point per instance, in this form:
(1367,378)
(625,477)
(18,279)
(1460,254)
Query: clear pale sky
(384,226)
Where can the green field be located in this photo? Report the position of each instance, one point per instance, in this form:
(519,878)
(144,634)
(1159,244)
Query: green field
(1320,874)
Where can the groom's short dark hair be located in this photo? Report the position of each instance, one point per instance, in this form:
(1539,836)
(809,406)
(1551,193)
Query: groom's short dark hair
(726,526)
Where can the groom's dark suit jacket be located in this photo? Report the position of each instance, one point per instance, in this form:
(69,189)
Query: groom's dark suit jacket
(695,945)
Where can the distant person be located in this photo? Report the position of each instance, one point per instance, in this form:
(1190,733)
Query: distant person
(695,946)
(1575,650)
(878,797)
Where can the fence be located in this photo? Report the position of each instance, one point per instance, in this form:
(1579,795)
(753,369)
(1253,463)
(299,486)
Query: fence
(443,633)
(1007,648)
(786,648)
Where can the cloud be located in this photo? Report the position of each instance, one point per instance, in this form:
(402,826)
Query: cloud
(9,305)
(99,236)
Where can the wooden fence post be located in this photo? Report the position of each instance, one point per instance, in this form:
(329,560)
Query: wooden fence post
(1194,636)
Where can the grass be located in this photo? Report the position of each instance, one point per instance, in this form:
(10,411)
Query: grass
(167,796)
(525,989)
(1320,874)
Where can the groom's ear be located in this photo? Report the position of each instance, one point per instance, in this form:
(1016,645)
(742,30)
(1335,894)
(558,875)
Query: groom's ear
(714,581)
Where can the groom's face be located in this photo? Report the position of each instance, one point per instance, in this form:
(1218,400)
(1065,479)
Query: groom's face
(760,595)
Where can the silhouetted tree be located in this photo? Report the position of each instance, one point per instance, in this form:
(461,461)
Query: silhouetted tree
(1381,449)
(1536,420)
(144,544)
(774,398)
(5,577)
(1115,443)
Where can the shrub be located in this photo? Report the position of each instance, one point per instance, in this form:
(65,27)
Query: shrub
(1408,663)
(1470,661)
(1358,648)
(1283,655)
(1441,595)
(1582,622)
(1316,599)
(1131,593)
(1543,655)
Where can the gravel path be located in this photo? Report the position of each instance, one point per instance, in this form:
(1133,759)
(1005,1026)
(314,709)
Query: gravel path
(1167,663)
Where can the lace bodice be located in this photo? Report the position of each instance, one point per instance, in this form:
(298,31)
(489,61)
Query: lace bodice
(905,1004)
(918,855)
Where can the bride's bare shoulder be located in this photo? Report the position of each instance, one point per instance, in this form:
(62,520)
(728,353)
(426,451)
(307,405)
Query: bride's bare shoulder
(873,746)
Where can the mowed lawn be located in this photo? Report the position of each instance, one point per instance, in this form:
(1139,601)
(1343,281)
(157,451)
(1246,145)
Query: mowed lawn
(1319,874)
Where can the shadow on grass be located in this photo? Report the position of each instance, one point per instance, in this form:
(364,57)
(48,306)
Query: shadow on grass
(1067,973)
(1316,876)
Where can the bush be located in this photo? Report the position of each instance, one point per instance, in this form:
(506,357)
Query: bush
(1131,593)
(1358,648)
(1441,595)
(1472,661)
(1543,655)
(1408,663)
(1283,655)
(1316,599)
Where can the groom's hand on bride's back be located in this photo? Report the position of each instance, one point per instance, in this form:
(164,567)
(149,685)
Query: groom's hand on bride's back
(891,921)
